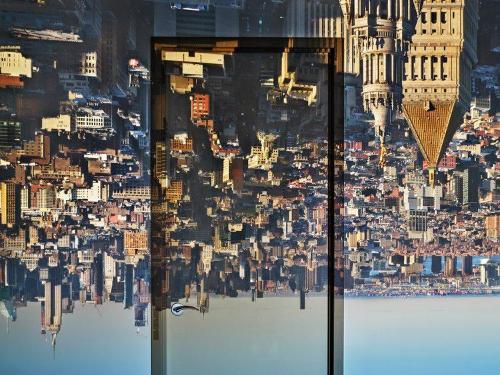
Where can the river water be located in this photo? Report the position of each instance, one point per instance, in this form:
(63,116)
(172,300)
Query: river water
(456,335)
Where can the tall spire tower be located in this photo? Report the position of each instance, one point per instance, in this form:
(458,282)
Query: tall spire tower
(438,66)
(379,30)
(53,309)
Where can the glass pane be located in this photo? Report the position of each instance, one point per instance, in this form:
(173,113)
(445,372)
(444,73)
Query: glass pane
(240,222)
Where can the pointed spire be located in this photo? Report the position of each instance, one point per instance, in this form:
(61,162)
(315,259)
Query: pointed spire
(345,5)
(53,344)
(418,6)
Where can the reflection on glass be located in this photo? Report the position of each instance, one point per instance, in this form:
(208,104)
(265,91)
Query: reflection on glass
(241,208)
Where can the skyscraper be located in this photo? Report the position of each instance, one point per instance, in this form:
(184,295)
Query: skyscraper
(197,18)
(450,266)
(10,133)
(422,50)
(376,34)
(436,265)
(466,265)
(9,204)
(438,66)
(492,224)
(313,19)
(53,309)
(129,286)
(466,184)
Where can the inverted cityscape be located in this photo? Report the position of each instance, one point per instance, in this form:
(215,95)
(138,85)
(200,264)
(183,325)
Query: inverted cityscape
(240,172)
(218,174)
(418,209)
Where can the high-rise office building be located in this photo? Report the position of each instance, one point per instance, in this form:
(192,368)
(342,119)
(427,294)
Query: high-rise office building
(417,225)
(450,266)
(52,309)
(466,185)
(313,19)
(263,18)
(489,274)
(436,264)
(129,286)
(10,133)
(198,18)
(417,220)
(492,224)
(466,265)
(9,204)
